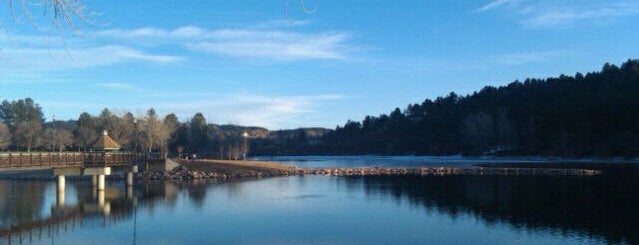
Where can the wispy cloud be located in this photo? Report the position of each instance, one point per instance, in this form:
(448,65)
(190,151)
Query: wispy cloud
(286,46)
(269,41)
(42,59)
(251,109)
(564,15)
(495,4)
(544,13)
(116,85)
(153,32)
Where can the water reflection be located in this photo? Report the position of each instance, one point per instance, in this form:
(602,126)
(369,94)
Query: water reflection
(602,207)
(22,208)
(35,210)
(313,209)
(20,202)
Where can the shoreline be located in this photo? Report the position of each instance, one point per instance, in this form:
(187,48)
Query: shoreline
(226,170)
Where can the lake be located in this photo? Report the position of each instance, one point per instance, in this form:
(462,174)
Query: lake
(600,209)
(422,161)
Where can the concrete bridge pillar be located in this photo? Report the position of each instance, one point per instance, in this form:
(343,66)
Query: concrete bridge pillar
(101,198)
(60,183)
(129,192)
(129,178)
(97,175)
(101,182)
(60,191)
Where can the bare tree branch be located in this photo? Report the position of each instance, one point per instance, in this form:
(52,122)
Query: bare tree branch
(302,6)
(59,13)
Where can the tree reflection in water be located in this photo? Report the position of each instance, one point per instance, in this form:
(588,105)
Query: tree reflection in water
(605,206)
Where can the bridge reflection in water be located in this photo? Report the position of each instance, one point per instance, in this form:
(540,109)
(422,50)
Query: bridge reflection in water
(25,219)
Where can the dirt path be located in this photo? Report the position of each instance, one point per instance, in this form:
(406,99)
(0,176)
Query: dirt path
(240,166)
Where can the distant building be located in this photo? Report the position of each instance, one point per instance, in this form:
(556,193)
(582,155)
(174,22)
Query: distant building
(105,143)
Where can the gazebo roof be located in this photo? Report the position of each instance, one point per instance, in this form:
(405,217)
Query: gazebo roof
(104,142)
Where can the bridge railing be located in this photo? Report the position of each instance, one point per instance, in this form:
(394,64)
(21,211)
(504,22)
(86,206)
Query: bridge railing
(120,158)
(108,158)
(75,159)
(30,160)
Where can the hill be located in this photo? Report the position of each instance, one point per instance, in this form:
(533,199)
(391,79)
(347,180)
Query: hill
(596,114)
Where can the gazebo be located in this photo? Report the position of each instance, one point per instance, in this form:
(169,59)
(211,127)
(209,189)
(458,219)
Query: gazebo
(104,143)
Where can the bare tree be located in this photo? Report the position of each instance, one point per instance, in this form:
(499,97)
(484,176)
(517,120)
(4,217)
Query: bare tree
(5,136)
(302,6)
(58,139)
(28,134)
(69,13)
(57,13)
(152,131)
(233,147)
(48,141)
(64,138)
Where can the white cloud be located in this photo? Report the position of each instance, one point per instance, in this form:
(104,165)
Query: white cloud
(151,32)
(495,4)
(273,112)
(286,47)
(116,85)
(561,13)
(42,59)
(269,43)
(563,16)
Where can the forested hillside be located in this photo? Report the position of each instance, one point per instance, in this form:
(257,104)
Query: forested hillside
(596,114)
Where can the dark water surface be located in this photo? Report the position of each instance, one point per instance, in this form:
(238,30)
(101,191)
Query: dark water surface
(331,210)
(424,161)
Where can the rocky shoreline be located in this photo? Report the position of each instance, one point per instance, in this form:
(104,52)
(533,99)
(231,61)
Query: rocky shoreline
(442,171)
(220,170)
(183,173)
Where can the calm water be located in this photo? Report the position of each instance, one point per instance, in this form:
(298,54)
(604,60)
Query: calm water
(417,161)
(332,210)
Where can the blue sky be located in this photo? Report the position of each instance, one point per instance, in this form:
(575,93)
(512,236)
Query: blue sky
(243,62)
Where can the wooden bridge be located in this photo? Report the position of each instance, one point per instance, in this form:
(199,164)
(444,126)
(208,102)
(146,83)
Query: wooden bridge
(94,164)
(17,161)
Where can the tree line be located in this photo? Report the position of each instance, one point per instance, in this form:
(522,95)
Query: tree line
(23,128)
(596,114)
